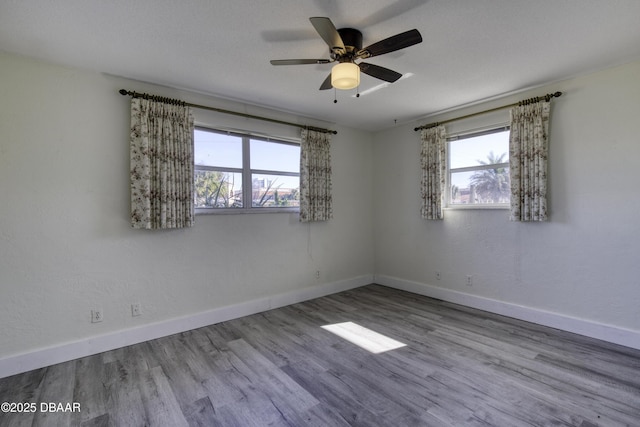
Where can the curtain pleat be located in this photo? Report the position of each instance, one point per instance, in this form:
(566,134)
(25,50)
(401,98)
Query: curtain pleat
(433,159)
(316,202)
(528,155)
(161,165)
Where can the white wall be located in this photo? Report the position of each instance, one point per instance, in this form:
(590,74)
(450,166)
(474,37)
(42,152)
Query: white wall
(583,264)
(65,241)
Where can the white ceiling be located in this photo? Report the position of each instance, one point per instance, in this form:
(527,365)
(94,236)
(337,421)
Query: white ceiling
(472,49)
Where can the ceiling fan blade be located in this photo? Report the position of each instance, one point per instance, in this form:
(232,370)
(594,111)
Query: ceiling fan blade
(326,84)
(299,61)
(379,72)
(391,44)
(328,32)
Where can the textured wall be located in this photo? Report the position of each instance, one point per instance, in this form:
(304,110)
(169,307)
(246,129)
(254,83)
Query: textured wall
(583,263)
(65,242)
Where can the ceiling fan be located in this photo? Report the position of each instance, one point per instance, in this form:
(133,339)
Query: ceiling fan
(345,47)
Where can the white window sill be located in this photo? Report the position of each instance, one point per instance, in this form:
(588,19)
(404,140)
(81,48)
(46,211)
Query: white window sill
(476,206)
(240,211)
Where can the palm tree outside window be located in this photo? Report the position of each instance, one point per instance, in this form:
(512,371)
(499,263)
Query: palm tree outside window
(479,169)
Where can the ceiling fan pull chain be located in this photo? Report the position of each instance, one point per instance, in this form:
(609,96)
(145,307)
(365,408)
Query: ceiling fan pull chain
(335,100)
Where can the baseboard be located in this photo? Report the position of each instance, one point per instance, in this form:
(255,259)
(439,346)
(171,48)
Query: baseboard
(73,350)
(604,332)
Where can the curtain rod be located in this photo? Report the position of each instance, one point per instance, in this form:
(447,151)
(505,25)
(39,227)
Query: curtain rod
(546,98)
(125,92)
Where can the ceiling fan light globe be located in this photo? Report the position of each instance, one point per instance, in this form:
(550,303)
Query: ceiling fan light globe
(345,75)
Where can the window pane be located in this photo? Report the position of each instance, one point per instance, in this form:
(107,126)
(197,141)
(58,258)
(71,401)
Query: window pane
(216,189)
(478,150)
(274,156)
(217,149)
(480,186)
(275,191)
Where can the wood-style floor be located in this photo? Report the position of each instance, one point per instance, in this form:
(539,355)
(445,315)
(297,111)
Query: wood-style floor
(460,367)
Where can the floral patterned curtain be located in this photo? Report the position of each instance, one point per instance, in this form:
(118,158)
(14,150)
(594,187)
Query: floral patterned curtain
(316,203)
(528,152)
(161,165)
(433,158)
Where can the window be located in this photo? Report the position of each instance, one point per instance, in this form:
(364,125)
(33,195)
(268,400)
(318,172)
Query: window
(479,169)
(227,164)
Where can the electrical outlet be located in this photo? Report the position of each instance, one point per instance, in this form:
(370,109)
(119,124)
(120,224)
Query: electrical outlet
(317,274)
(136,309)
(96,315)
(438,275)
(469,280)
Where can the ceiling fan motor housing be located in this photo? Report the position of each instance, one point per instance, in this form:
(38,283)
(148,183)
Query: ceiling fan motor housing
(352,40)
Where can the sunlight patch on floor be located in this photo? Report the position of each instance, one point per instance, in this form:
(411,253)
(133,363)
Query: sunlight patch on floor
(363,337)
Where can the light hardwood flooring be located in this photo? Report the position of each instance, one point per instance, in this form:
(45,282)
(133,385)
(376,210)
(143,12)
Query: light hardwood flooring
(460,367)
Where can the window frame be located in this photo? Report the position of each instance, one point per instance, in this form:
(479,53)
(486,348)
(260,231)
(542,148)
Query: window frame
(246,172)
(467,135)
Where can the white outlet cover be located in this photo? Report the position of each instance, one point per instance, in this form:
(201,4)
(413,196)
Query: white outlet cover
(96,315)
(136,309)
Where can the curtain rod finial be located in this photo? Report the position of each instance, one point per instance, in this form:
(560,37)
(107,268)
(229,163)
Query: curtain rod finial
(123,92)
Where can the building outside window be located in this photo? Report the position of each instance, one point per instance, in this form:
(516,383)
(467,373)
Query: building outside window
(244,173)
